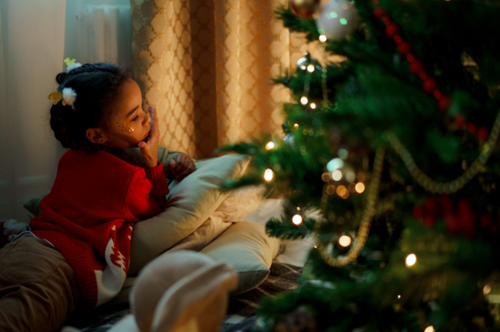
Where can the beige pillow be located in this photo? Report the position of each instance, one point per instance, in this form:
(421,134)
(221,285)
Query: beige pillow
(248,249)
(190,203)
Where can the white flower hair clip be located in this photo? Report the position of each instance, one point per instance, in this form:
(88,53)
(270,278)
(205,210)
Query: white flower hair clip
(68,97)
(71,64)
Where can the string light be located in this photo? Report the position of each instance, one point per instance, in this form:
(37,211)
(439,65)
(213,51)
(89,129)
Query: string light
(429,329)
(350,176)
(486,289)
(345,241)
(270,146)
(411,259)
(399,296)
(323,38)
(334,164)
(330,190)
(297,219)
(268,174)
(296,125)
(360,187)
(337,175)
(304,100)
(311,68)
(313,106)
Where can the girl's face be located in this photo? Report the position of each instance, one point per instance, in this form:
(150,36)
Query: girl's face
(128,124)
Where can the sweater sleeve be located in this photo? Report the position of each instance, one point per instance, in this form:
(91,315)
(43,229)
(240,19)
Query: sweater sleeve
(146,193)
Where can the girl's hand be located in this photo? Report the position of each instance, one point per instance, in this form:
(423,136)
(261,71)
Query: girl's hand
(149,149)
(181,165)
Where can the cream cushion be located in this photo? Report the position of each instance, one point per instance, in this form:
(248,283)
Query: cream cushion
(190,203)
(248,249)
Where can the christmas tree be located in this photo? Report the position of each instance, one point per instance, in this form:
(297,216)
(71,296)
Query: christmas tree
(395,148)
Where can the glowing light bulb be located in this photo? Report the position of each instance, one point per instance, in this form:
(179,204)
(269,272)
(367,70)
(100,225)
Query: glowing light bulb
(399,296)
(345,240)
(311,68)
(268,175)
(296,125)
(429,329)
(270,146)
(337,175)
(313,106)
(323,38)
(486,289)
(343,21)
(411,259)
(360,187)
(297,219)
(304,100)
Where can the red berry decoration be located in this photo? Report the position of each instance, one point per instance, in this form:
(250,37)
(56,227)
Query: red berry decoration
(418,212)
(416,67)
(430,85)
(482,133)
(467,226)
(429,221)
(404,48)
(391,30)
(452,224)
(431,206)
(379,12)
(459,121)
(446,203)
(485,221)
(444,103)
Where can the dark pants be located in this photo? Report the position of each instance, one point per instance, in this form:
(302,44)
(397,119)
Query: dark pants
(38,291)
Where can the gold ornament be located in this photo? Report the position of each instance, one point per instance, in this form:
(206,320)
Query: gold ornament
(449,187)
(366,220)
(304,8)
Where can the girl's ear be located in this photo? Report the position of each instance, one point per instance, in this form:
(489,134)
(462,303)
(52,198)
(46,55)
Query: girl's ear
(96,135)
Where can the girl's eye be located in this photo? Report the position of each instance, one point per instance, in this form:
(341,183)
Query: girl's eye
(135,118)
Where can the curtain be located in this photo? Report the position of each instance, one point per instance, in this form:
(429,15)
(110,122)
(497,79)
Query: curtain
(99,31)
(35,37)
(207,65)
(31,52)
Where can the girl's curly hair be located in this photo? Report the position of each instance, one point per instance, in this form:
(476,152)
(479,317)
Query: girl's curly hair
(96,86)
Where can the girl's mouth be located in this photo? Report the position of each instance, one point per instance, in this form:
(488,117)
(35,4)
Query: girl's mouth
(147,136)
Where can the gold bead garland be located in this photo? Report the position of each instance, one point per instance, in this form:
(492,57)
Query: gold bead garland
(449,187)
(366,220)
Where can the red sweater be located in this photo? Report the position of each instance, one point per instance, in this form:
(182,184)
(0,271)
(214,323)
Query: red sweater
(89,216)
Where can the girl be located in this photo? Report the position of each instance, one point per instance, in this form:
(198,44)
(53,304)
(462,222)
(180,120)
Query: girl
(77,255)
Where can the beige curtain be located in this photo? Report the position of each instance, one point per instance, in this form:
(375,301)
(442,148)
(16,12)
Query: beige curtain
(207,64)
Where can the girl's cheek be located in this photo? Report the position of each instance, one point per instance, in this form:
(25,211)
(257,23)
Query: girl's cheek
(125,129)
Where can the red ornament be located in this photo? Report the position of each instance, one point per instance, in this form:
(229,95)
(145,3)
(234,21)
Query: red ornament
(464,207)
(437,94)
(404,48)
(482,133)
(418,212)
(446,203)
(304,8)
(459,121)
(398,39)
(429,221)
(472,128)
(430,85)
(485,221)
(431,206)
(452,224)
(444,103)
(391,30)
(416,67)
(467,226)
